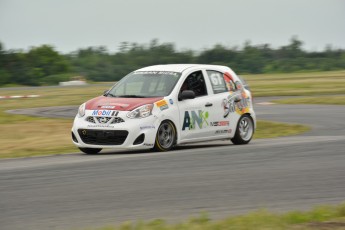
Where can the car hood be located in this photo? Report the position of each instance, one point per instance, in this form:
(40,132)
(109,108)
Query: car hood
(119,103)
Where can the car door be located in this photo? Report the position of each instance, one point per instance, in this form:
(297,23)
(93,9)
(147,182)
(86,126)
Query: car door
(195,114)
(224,95)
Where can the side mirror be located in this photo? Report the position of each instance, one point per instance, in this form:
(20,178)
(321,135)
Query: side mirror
(186,94)
(105,92)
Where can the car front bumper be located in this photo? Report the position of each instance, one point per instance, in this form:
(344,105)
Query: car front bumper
(129,133)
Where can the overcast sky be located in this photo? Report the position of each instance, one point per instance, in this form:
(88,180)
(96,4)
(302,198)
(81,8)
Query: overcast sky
(189,24)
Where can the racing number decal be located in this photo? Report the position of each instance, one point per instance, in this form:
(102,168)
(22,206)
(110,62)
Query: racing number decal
(216,79)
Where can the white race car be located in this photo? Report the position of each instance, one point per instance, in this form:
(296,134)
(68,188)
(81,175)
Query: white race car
(158,107)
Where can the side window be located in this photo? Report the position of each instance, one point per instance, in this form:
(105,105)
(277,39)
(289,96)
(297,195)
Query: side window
(195,82)
(217,81)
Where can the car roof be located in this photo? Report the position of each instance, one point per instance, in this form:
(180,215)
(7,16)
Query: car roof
(180,67)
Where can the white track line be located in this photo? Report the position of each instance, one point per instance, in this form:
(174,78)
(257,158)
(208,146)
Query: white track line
(19,96)
(265,103)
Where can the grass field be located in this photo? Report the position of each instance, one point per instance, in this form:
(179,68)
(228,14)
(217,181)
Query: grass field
(297,84)
(321,218)
(29,136)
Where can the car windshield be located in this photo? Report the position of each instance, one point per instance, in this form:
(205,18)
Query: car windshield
(145,84)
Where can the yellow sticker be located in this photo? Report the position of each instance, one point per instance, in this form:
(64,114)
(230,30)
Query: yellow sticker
(161,103)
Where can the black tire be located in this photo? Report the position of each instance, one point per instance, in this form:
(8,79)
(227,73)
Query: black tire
(244,130)
(90,150)
(165,137)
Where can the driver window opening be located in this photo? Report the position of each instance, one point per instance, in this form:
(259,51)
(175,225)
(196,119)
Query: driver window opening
(195,82)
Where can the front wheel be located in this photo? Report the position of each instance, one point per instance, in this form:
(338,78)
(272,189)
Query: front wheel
(166,136)
(244,131)
(90,150)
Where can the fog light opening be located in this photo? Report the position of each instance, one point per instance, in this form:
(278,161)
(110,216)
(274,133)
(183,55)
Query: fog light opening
(140,139)
(74,138)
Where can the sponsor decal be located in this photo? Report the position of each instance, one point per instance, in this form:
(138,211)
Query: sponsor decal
(220,123)
(229,80)
(114,113)
(147,127)
(191,118)
(223,131)
(230,106)
(113,105)
(107,106)
(162,104)
(120,104)
(171,101)
(105,113)
(243,105)
(101,113)
(239,85)
(145,144)
(157,73)
(100,126)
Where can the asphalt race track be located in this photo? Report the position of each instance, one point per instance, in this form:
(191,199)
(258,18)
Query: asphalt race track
(77,190)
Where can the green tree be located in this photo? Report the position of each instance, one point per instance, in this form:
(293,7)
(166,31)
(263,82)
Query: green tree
(44,61)
(4,74)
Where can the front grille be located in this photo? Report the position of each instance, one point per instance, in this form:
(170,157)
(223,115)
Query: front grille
(117,120)
(103,120)
(90,119)
(103,137)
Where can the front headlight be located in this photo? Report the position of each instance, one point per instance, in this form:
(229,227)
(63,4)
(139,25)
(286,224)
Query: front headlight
(81,110)
(141,112)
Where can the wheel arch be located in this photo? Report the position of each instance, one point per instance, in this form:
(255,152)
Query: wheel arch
(157,145)
(251,117)
(173,123)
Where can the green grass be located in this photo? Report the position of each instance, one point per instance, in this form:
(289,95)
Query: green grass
(324,100)
(258,220)
(297,84)
(48,97)
(23,136)
(268,129)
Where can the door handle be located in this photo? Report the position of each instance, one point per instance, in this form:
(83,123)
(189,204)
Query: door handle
(208,104)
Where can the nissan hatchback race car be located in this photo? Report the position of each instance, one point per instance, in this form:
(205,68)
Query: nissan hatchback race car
(158,107)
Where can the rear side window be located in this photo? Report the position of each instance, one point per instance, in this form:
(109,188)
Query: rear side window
(217,81)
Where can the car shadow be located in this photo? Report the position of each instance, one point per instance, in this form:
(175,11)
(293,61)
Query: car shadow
(179,148)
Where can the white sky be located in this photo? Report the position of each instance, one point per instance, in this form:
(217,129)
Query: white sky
(189,24)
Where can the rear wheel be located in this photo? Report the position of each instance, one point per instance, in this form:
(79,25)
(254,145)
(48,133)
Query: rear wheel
(90,150)
(244,130)
(165,137)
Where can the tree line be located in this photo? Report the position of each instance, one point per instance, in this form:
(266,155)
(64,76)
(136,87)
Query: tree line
(44,65)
